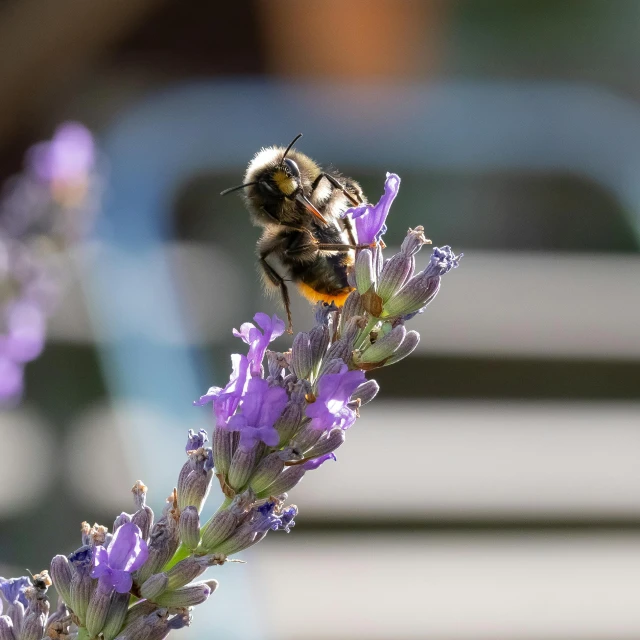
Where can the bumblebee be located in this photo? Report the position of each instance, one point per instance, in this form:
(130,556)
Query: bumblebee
(299,207)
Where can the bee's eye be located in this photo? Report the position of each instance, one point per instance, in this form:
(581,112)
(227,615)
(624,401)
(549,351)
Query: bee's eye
(269,188)
(292,166)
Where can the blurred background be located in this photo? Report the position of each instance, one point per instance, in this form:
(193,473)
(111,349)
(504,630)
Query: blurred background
(493,490)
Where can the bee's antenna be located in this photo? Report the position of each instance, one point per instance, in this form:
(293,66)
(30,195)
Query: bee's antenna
(284,155)
(240,186)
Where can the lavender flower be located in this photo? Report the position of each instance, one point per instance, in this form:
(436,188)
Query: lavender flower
(261,406)
(226,400)
(42,211)
(370,219)
(258,341)
(331,406)
(12,590)
(126,554)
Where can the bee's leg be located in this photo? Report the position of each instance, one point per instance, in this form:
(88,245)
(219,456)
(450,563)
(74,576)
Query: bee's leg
(341,247)
(349,229)
(277,280)
(355,201)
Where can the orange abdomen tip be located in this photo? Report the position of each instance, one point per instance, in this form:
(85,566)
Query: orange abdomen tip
(315,296)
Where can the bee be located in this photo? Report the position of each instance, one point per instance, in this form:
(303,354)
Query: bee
(299,207)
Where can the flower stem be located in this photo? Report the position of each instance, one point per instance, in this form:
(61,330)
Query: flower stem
(83,634)
(362,336)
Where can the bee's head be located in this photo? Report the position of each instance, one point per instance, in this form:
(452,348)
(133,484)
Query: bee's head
(282,181)
(271,179)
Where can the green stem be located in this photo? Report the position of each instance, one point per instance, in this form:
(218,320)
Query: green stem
(83,634)
(365,332)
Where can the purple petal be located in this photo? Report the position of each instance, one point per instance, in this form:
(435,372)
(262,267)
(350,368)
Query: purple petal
(273,327)
(237,422)
(269,436)
(13,589)
(121,581)
(248,438)
(370,219)
(259,341)
(274,401)
(128,550)
(334,392)
(311,465)
(213,393)
(100,562)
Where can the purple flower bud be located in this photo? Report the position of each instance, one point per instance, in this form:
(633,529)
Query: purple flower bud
(222,450)
(142,624)
(127,553)
(116,615)
(189,526)
(368,390)
(319,339)
(242,466)
(194,480)
(82,585)
(218,529)
(306,438)
(196,440)
(289,422)
(301,355)
(99,607)
(139,491)
(442,261)
(395,274)
(407,347)
(370,219)
(163,543)
(61,577)
(423,287)
(188,596)
(123,518)
(35,615)
(6,628)
(180,621)
(331,406)
(352,307)
(328,443)
(365,274)
(414,241)
(413,297)
(138,612)
(267,471)
(333,366)
(143,518)
(185,571)
(312,465)
(288,479)
(154,586)
(383,348)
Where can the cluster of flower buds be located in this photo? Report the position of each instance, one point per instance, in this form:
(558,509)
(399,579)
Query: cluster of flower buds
(25,607)
(272,426)
(43,210)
